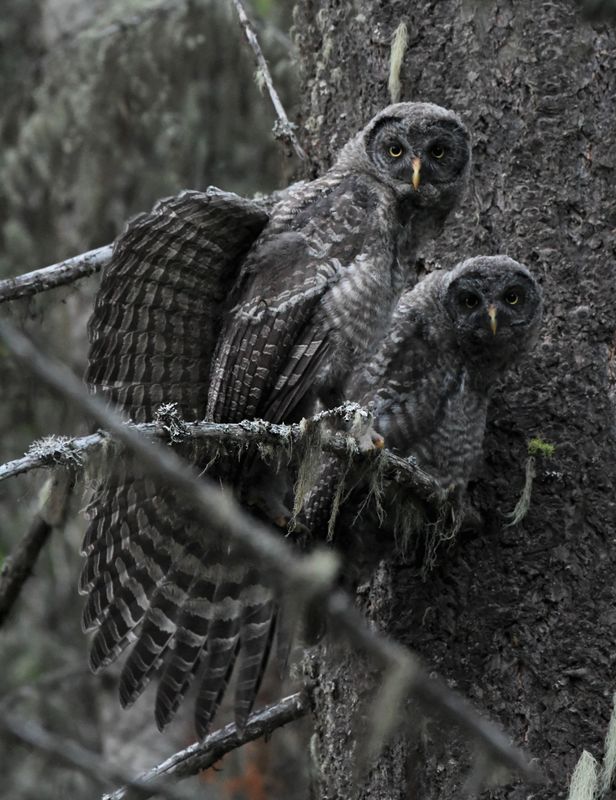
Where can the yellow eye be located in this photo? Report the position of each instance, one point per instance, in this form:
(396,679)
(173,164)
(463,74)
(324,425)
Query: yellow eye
(470,300)
(395,151)
(512,298)
(438,152)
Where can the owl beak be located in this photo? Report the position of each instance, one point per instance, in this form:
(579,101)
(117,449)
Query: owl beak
(416,179)
(492,315)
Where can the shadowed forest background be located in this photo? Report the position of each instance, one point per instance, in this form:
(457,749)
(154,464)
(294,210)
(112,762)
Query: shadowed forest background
(107,107)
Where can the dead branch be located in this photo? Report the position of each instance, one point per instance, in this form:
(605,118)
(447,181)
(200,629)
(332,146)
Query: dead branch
(283,129)
(56,450)
(72,754)
(308,578)
(18,566)
(52,451)
(56,275)
(202,755)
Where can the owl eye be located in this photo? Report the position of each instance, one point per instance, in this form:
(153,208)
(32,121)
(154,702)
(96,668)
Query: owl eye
(437,151)
(470,300)
(513,298)
(395,151)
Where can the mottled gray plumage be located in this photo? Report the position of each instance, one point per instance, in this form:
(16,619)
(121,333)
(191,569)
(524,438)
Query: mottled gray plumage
(300,305)
(430,382)
(153,333)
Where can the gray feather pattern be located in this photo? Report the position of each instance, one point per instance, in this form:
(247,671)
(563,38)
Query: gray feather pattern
(235,313)
(429,383)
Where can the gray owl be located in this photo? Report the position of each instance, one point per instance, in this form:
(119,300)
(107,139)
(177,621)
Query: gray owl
(450,339)
(236,313)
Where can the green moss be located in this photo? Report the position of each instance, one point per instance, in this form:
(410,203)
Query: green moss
(537,447)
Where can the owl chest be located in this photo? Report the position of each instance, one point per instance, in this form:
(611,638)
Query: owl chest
(360,304)
(437,418)
(453,445)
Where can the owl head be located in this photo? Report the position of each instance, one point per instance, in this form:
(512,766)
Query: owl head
(495,307)
(420,150)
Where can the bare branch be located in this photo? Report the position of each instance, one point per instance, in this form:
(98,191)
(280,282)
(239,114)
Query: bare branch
(18,566)
(62,450)
(74,755)
(52,451)
(205,754)
(283,128)
(56,275)
(302,576)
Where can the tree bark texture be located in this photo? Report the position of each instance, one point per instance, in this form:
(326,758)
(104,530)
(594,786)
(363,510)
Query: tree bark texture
(520,619)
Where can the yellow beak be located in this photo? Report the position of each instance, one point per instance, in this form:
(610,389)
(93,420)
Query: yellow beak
(416,179)
(492,315)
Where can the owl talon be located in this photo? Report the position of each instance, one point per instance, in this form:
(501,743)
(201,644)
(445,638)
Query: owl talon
(370,440)
(378,442)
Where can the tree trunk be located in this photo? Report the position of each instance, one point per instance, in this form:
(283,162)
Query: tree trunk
(520,619)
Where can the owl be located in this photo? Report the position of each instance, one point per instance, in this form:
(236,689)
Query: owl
(450,340)
(235,310)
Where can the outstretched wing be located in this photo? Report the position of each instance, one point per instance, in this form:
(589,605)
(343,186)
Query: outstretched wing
(197,602)
(156,321)
(277,341)
(278,335)
(157,315)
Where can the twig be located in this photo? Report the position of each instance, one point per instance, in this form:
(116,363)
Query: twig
(61,450)
(74,755)
(54,450)
(204,754)
(283,128)
(18,566)
(56,275)
(311,577)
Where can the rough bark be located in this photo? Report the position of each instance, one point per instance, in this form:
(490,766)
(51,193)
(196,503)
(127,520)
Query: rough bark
(521,619)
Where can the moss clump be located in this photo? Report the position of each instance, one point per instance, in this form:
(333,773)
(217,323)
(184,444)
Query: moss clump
(537,447)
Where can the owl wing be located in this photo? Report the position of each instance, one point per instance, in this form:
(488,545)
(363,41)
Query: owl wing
(275,343)
(155,324)
(198,600)
(278,336)
(157,313)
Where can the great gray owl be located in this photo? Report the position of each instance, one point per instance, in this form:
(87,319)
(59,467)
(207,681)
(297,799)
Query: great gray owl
(450,339)
(235,314)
